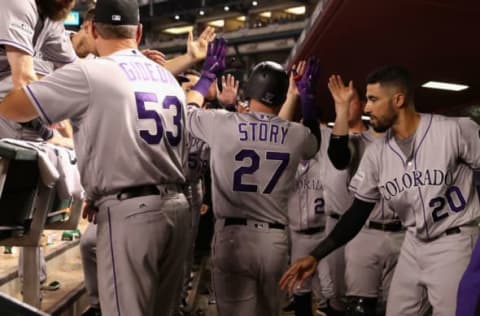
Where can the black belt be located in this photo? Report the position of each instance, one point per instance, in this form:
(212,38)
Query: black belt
(448,232)
(335,216)
(243,221)
(311,230)
(388,227)
(133,192)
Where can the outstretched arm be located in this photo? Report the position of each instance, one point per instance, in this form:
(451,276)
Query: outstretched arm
(212,68)
(347,228)
(196,51)
(306,87)
(338,150)
(290,106)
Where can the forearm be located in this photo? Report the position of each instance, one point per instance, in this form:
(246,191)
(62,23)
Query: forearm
(341,120)
(195,97)
(339,152)
(346,229)
(21,66)
(289,107)
(180,64)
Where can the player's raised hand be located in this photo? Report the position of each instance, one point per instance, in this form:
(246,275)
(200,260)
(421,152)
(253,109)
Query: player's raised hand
(298,272)
(215,61)
(341,93)
(155,56)
(306,85)
(306,88)
(197,49)
(228,95)
(296,74)
(213,67)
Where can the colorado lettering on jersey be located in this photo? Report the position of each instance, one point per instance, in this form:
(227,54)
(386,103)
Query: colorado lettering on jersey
(415,179)
(144,71)
(264,132)
(309,184)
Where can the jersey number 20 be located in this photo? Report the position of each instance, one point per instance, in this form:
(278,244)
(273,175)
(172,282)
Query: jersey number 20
(143,113)
(456,205)
(284,158)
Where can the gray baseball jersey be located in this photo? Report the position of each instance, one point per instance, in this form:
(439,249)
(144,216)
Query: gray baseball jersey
(253,159)
(198,157)
(147,141)
(306,206)
(45,40)
(432,189)
(22,27)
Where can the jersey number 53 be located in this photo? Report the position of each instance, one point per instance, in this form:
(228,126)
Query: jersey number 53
(143,113)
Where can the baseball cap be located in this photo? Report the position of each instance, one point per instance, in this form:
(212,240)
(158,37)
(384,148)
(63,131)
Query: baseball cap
(117,12)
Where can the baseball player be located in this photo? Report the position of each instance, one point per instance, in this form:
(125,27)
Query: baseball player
(468,290)
(433,196)
(306,216)
(367,269)
(251,171)
(30,29)
(138,118)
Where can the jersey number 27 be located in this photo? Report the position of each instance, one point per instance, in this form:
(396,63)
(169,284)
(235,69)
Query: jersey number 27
(284,158)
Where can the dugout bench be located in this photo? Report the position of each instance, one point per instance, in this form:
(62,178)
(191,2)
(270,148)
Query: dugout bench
(27,207)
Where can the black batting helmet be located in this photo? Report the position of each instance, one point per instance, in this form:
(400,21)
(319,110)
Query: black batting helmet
(268,84)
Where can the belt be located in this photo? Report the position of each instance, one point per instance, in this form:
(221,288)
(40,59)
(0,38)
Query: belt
(448,232)
(243,221)
(311,230)
(133,192)
(335,215)
(388,227)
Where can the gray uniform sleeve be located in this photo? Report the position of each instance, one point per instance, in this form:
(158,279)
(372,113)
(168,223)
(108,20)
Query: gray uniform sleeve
(364,183)
(310,147)
(58,47)
(61,95)
(469,142)
(202,123)
(17,24)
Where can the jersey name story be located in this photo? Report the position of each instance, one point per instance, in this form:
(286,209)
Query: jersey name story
(262,131)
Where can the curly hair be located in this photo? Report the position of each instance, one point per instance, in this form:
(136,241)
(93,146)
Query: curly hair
(55,10)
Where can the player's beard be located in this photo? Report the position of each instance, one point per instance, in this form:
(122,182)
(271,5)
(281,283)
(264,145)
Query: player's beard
(383,123)
(55,10)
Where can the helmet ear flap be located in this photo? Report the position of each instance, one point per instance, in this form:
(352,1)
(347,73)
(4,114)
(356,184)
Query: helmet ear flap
(268,84)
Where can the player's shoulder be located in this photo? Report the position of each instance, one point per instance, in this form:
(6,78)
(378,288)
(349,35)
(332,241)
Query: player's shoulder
(443,122)
(27,7)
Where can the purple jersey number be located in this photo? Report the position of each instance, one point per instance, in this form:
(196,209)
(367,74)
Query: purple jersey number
(456,205)
(144,114)
(319,206)
(284,159)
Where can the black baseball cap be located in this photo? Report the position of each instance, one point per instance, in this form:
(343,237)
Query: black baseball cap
(117,12)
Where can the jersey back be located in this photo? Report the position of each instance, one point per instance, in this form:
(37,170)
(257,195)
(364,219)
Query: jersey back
(128,115)
(253,160)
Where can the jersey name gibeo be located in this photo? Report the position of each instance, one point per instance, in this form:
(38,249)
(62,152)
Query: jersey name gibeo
(414,179)
(264,132)
(146,71)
